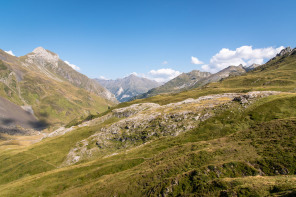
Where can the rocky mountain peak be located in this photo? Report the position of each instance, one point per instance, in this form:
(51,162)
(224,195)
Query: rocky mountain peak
(251,67)
(285,51)
(132,76)
(254,65)
(42,54)
(39,50)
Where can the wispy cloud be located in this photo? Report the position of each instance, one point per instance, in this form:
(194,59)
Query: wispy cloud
(134,73)
(160,75)
(72,65)
(10,52)
(244,55)
(165,62)
(195,60)
(102,77)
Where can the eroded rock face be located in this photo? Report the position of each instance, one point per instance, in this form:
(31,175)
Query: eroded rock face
(140,123)
(285,51)
(43,56)
(251,96)
(133,109)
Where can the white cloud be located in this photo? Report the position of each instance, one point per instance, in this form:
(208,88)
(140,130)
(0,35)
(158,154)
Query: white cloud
(72,65)
(134,73)
(244,55)
(195,60)
(163,75)
(10,52)
(165,62)
(160,75)
(102,77)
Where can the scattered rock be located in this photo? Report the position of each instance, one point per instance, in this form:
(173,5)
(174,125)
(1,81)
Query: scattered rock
(143,122)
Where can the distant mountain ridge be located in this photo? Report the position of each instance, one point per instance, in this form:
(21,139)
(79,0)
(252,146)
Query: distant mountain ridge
(179,83)
(193,79)
(126,88)
(226,72)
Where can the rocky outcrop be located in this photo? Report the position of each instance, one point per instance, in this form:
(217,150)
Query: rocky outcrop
(251,67)
(140,123)
(285,51)
(133,109)
(252,96)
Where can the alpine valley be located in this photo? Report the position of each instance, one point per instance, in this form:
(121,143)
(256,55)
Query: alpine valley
(232,133)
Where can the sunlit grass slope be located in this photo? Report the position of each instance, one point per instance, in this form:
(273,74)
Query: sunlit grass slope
(228,153)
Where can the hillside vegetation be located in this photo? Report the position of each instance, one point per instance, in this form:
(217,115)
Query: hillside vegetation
(235,137)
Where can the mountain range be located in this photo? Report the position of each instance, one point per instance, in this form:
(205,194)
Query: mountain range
(229,134)
(194,79)
(126,88)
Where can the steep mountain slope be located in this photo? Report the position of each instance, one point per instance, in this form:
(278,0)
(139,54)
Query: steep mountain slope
(126,88)
(49,63)
(223,139)
(53,90)
(179,83)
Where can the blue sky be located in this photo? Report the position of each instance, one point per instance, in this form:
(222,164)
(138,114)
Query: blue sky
(115,38)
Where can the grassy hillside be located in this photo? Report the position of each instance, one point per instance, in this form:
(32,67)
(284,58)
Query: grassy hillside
(59,102)
(239,151)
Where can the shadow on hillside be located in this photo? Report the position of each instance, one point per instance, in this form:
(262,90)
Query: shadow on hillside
(12,126)
(38,125)
(7,121)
